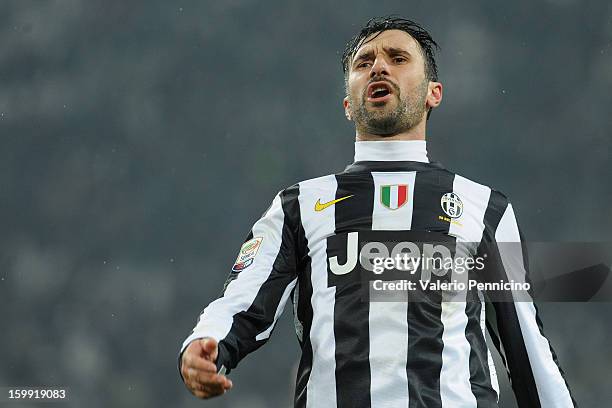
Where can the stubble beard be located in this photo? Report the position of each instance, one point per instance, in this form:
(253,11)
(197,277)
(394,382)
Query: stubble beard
(387,121)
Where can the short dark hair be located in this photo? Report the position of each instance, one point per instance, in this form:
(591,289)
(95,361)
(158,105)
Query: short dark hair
(380,24)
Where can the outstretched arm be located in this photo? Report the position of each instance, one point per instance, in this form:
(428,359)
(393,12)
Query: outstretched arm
(254,296)
(514,324)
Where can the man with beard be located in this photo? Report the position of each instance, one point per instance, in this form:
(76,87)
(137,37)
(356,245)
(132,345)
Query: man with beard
(318,240)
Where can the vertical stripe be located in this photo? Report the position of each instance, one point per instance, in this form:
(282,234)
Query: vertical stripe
(426,328)
(490,362)
(264,335)
(507,332)
(399,218)
(388,319)
(394,198)
(388,353)
(351,328)
(550,384)
(479,377)
(402,192)
(386,196)
(320,389)
(302,312)
(474,378)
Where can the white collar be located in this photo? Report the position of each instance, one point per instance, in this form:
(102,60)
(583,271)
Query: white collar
(391,150)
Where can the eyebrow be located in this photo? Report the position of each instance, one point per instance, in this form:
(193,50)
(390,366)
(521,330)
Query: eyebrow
(389,50)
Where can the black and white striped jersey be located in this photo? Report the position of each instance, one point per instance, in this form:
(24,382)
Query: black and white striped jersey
(364,353)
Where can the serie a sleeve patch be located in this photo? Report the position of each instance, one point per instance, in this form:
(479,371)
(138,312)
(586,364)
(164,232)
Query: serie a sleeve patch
(247,253)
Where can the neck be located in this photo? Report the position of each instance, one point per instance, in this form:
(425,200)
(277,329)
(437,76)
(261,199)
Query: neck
(391,150)
(414,133)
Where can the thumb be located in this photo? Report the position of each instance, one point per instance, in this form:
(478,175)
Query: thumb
(209,349)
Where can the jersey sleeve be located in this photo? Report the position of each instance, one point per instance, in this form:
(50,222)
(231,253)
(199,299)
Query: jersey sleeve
(258,286)
(514,324)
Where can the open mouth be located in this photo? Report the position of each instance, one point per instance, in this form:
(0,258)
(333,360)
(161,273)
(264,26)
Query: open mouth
(379,91)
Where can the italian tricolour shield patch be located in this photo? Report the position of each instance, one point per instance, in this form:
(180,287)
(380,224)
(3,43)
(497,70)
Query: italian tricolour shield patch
(393,196)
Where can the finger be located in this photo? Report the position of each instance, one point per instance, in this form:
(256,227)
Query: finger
(195,386)
(217,383)
(199,363)
(210,389)
(197,346)
(207,390)
(206,378)
(209,349)
(214,390)
(191,374)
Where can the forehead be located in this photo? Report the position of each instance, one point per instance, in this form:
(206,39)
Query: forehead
(389,39)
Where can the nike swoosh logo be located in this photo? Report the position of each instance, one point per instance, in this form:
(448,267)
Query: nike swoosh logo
(321,207)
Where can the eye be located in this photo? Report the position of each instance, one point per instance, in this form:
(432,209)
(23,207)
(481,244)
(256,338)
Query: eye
(363,64)
(399,59)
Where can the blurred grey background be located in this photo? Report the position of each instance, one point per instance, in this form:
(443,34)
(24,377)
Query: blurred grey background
(141,140)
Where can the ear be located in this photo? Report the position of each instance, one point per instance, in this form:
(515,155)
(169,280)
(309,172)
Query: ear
(434,94)
(347,107)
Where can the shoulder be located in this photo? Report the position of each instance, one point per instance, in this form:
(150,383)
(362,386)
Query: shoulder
(488,204)
(495,199)
(309,186)
(288,199)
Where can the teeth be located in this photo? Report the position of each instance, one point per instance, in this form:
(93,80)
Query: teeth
(380,89)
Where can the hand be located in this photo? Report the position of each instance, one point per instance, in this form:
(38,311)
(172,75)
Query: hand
(199,369)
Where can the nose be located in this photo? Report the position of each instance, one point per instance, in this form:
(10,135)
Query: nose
(379,67)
